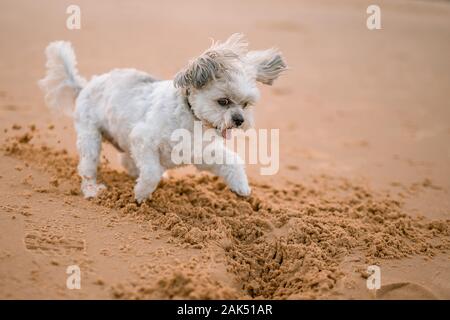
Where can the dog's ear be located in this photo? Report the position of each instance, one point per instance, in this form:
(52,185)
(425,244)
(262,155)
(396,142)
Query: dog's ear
(268,64)
(212,64)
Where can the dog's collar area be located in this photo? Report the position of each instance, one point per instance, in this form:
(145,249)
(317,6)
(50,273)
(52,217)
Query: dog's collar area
(188,103)
(186,98)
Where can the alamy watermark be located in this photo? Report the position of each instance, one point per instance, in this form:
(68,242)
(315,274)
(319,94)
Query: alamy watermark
(74,279)
(73,21)
(373,22)
(373,281)
(252,146)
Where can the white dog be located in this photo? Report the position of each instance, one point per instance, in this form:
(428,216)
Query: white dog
(137,113)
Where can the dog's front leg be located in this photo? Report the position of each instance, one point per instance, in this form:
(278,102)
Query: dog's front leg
(232,170)
(146,157)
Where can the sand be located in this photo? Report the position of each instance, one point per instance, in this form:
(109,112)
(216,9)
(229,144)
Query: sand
(364,176)
(278,244)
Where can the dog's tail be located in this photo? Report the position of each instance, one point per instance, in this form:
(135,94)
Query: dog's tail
(62,83)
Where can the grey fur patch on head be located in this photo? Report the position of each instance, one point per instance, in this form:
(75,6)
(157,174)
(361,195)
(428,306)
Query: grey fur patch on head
(269,64)
(214,63)
(198,72)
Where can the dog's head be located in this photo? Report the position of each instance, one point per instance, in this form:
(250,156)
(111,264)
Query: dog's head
(221,82)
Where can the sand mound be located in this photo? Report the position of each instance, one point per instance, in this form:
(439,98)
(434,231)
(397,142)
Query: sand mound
(409,291)
(278,243)
(188,282)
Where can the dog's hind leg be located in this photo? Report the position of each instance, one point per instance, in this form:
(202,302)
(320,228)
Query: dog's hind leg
(128,163)
(89,143)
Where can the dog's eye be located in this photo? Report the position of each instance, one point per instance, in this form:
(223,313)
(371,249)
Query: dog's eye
(245,105)
(223,101)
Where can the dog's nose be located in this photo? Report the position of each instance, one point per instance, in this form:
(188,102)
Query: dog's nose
(238,119)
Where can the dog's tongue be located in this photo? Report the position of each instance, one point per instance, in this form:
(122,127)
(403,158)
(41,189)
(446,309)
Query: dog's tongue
(226,133)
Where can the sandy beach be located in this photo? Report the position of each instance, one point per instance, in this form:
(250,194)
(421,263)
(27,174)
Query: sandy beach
(364,179)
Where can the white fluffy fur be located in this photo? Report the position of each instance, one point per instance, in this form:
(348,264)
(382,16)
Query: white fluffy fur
(138,113)
(62,83)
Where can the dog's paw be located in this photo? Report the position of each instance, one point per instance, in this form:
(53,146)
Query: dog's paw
(91,190)
(141,195)
(139,199)
(243,190)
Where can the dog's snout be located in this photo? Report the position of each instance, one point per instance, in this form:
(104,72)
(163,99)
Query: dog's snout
(238,119)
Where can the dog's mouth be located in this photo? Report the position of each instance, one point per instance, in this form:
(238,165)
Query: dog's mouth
(226,133)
